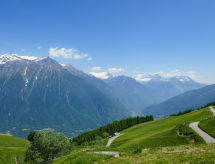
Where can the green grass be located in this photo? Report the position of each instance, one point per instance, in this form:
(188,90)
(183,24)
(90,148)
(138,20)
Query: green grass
(208,126)
(11,148)
(8,155)
(11,141)
(81,156)
(158,133)
(187,154)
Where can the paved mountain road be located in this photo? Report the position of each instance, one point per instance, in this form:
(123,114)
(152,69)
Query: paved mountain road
(205,136)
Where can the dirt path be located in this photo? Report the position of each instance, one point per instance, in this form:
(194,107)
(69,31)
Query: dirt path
(212,110)
(115,154)
(15,159)
(205,136)
(112,139)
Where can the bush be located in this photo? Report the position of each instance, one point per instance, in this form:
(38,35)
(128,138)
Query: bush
(45,146)
(105,135)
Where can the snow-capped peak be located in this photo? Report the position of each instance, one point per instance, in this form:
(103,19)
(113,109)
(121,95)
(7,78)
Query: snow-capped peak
(9,57)
(183,78)
(143,78)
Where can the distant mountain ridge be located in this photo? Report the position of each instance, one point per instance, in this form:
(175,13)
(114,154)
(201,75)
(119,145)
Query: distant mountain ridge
(188,100)
(138,95)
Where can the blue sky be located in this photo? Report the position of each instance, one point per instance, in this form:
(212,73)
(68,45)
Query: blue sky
(117,36)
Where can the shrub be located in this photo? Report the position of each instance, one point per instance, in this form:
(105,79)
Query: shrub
(45,146)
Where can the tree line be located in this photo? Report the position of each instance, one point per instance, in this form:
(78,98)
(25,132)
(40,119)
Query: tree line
(111,128)
(190,110)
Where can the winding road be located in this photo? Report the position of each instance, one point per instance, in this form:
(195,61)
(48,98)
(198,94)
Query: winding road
(205,136)
(112,139)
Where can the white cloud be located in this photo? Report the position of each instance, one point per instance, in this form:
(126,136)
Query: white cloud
(142,78)
(38,47)
(95,68)
(22,49)
(101,75)
(107,74)
(67,53)
(115,70)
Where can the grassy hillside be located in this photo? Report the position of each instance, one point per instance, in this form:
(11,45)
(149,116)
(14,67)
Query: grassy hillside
(158,133)
(208,126)
(12,149)
(157,142)
(151,142)
(11,141)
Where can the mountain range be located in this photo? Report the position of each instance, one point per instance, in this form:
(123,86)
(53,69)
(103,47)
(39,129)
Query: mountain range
(39,93)
(138,95)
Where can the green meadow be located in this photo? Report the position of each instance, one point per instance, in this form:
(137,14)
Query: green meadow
(158,133)
(12,149)
(151,142)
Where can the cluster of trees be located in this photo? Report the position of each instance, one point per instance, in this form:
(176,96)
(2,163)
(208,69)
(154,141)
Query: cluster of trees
(45,146)
(111,128)
(184,112)
(210,104)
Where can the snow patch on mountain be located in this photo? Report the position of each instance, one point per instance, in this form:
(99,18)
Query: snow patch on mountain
(26,82)
(25,71)
(63,65)
(10,57)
